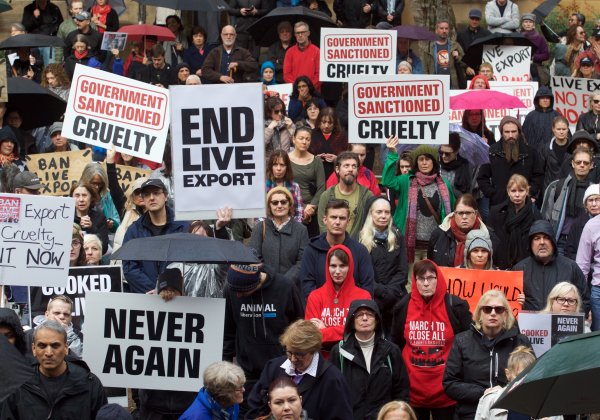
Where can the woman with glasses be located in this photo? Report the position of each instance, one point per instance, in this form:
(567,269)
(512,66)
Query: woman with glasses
(303,91)
(324,391)
(134,208)
(563,200)
(511,221)
(77,256)
(279,240)
(312,108)
(280,174)
(447,243)
(425,324)
(589,121)
(479,357)
(563,298)
(372,365)
(279,129)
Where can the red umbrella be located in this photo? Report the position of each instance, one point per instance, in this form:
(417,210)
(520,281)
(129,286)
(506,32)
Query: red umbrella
(138,32)
(485,99)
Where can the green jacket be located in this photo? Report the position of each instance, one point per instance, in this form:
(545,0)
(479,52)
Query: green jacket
(401,184)
(363,196)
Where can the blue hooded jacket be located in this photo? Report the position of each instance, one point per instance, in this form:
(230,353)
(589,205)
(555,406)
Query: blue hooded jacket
(205,407)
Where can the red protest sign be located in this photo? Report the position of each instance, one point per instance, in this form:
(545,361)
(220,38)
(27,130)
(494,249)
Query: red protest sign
(472,284)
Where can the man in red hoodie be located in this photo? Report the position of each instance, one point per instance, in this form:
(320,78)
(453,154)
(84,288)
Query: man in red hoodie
(425,323)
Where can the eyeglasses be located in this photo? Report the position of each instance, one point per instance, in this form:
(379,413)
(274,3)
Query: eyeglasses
(278,111)
(593,200)
(279,202)
(296,354)
(465,213)
(76,244)
(301,32)
(446,153)
(498,309)
(361,314)
(582,162)
(429,279)
(596,101)
(155,193)
(137,193)
(568,301)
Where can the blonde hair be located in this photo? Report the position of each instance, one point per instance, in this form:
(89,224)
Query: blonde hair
(288,195)
(91,238)
(367,233)
(518,180)
(485,298)
(394,406)
(562,289)
(302,335)
(518,360)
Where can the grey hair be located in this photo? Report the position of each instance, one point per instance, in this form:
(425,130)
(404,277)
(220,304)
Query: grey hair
(92,169)
(221,379)
(52,325)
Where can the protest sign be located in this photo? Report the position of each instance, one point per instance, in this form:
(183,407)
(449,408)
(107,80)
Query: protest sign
(126,175)
(511,63)
(113,40)
(347,53)
(470,285)
(414,108)
(35,239)
(81,280)
(525,91)
(141,341)
(59,171)
(218,150)
(3,87)
(572,96)
(107,110)
(284,90)
(544,330)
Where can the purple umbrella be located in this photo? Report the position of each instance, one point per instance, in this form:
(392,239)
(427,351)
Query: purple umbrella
(472,146)
(416,33)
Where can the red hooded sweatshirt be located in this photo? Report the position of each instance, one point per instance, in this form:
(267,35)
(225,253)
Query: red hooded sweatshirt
(330,306)
(429,336)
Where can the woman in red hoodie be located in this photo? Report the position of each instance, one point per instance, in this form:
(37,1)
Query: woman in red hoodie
(424,326)
(327,306)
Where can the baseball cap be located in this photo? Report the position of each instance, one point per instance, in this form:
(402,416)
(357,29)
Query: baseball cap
(528,16)
(153,182)
(83,16)
(27,180)
(57,126)
(586,61)
(475,13)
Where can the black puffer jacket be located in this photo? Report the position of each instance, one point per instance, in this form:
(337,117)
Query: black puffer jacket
(537,127)
(477,363)
(80,398)
(387,380)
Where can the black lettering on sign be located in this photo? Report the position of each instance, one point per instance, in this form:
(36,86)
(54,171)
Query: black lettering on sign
(180,363)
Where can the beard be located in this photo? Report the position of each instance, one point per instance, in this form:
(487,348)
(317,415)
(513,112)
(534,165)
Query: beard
(511,151)
(348,180)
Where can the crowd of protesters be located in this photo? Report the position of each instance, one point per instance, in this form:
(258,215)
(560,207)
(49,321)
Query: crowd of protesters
(350,263)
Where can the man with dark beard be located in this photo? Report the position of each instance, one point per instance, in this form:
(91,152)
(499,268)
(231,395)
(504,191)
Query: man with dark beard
(346,168)
(511,155)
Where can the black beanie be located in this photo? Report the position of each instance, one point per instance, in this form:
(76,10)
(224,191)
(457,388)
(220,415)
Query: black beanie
(172,278)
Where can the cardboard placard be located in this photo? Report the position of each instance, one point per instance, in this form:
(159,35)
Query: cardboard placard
(348,53)
(544,330)
(470,285)
(415,108)
(107,110)
(141,341)
(3,85)
(35,239)
(59,171)
(218,150)
(511,63)
(81,280)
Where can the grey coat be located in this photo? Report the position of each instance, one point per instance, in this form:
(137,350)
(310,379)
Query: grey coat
(281,250)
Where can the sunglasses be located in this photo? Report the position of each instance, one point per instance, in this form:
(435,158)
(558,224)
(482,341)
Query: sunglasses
(445,153)
(279,202)
(278,111)
(596,101)
(498,309)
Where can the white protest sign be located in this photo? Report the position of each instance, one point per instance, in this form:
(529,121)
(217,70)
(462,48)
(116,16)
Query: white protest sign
(511,63)
(572,96)
(35,239)
(544,330)
(218,150)
(284,90)
(525,91)
(141,341)
(415,108)
(105,110)
(346,53)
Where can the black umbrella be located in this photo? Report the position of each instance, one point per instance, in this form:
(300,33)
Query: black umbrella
(31,41)
(5,6)
(264,30)
(416,33)
(565,380)
(197,5)
(117,5)
(14,369)
(544,9)
(37,106)
(185,247)
(474,54)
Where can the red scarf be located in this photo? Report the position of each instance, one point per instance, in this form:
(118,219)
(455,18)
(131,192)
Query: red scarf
(7,160)
(102,12)
(460,237)
(79,55)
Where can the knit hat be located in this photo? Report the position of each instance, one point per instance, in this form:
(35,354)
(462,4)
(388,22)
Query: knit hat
(528,16)
(56,127)
(510,119)
(593,189)
(267,65)
(429,151)
(113,412)
(243,278)
(171,278)
(6,133)
(478,238)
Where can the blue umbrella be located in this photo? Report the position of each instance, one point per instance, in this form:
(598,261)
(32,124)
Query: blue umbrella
(472,146)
